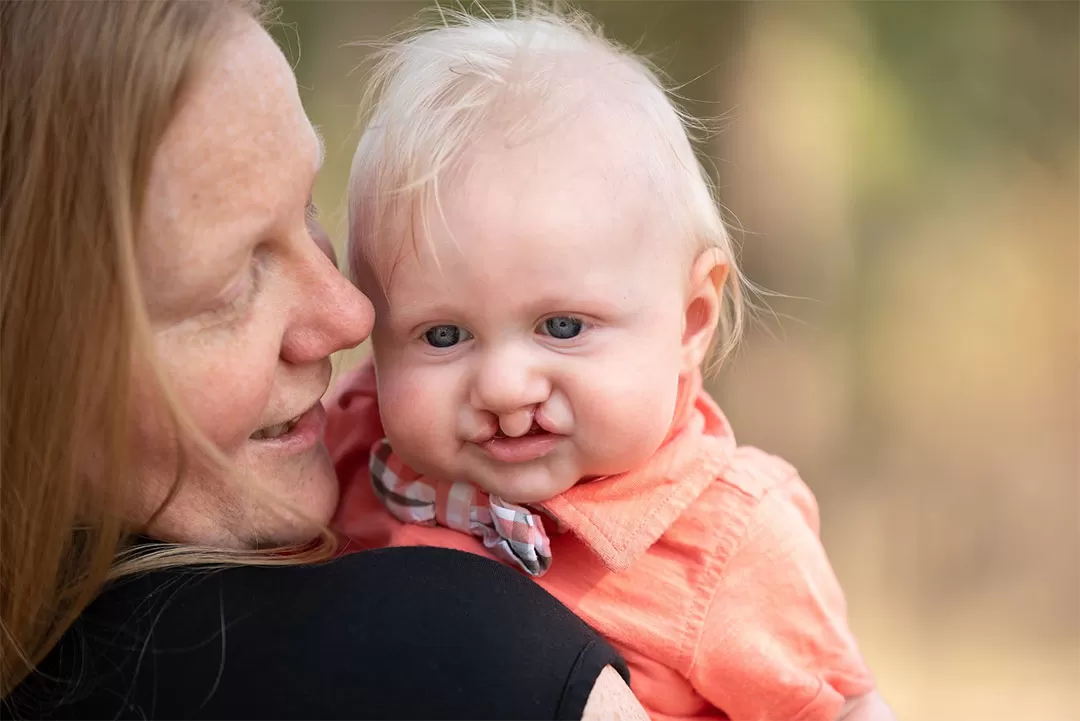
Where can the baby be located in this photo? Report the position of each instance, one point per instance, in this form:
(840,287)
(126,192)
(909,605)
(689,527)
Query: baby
(549,270)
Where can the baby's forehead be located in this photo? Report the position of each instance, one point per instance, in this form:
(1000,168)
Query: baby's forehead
(568,203)
(576,160)
(570,176)
(596,144)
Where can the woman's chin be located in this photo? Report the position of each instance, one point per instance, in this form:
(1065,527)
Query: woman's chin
(281,505)
(309,505)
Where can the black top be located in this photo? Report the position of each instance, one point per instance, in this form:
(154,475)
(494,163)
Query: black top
(401,633)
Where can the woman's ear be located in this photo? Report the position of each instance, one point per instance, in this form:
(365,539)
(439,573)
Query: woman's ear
(703,304)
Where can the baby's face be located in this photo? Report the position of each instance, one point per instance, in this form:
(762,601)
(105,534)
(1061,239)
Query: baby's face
(536,339)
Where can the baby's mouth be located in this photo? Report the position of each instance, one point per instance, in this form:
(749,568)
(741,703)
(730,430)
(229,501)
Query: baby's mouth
(533,445)
(534,430)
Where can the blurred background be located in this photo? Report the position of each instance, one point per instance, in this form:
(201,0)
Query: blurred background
(904,177)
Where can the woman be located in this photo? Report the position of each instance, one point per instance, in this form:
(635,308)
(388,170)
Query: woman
(167,322)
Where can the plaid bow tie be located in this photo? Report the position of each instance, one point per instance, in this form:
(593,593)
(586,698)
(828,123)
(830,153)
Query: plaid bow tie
(513,533)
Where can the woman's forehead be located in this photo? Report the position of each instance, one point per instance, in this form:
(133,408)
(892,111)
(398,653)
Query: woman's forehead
(239,156)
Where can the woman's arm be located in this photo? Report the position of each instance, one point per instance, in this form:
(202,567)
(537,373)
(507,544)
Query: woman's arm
(612,699)
(395,633)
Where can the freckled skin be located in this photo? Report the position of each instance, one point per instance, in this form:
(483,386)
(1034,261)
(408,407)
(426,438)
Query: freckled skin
(245,306)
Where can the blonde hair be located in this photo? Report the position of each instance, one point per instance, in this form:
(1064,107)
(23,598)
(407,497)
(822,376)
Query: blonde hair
(436,88)
(88,90)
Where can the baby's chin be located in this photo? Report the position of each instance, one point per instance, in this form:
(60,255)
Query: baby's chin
(527,486)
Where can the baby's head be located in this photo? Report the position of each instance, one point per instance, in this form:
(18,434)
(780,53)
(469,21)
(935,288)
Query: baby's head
(545,256)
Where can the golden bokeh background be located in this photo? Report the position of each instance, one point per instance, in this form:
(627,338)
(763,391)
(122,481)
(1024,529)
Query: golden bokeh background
(903,177)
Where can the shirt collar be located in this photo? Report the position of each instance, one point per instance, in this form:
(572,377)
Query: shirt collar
(619,517)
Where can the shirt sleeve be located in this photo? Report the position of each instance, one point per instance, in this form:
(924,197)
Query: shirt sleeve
(398,633)
(776,644)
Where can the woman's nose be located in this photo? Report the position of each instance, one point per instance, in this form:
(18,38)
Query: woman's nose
(331,313)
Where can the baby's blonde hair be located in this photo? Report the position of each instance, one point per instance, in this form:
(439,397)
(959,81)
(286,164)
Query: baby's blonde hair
(436,89)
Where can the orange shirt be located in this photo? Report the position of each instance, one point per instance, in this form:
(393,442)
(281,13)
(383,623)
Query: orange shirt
(704,568)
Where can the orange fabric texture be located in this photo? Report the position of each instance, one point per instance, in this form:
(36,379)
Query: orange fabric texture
(703,568)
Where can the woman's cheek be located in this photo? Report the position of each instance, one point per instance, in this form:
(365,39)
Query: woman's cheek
(229,423)
(227,401)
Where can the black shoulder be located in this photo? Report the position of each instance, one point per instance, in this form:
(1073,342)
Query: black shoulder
(393,634)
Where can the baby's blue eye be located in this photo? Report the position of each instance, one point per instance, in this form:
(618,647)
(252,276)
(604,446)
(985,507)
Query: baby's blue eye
(445,336)
(562,326)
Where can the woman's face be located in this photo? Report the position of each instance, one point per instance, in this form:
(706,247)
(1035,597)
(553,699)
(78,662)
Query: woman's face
(245,305)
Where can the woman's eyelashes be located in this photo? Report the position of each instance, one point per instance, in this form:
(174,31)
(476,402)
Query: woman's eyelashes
(237,299)
(232,304)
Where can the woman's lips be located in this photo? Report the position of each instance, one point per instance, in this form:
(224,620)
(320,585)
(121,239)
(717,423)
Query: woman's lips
(305,433)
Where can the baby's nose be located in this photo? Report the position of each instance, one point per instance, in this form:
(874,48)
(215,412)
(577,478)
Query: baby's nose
(517,423)
(507,381)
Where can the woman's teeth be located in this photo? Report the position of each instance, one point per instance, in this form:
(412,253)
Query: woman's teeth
(274,431)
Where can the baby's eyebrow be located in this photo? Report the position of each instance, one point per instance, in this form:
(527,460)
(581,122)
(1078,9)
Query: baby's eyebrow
(420,312)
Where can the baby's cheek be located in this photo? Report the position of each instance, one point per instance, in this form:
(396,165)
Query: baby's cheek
(412,409)
(626,415)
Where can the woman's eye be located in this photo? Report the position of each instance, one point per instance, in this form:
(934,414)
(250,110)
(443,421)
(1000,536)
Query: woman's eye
(445,336)
(237,299)
(562,327)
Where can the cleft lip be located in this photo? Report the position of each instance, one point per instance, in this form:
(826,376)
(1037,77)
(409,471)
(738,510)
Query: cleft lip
(485,434)
(545,424)
(494,432)
(535,429)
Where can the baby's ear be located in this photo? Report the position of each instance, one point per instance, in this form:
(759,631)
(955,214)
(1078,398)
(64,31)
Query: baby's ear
(703,306)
